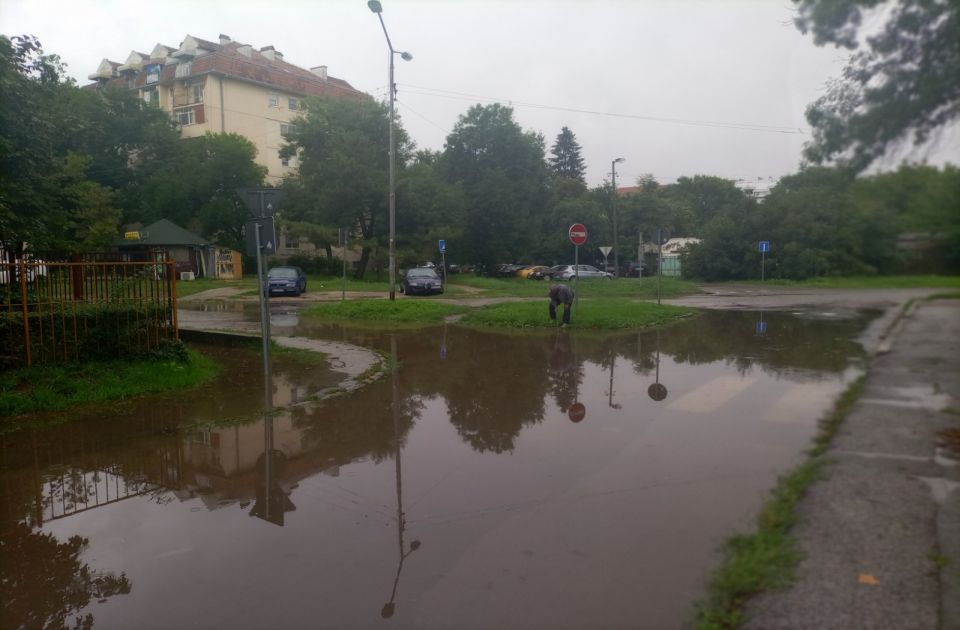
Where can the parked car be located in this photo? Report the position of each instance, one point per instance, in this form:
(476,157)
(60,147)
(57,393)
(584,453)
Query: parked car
(421,280)
(539,272)
(506,270)
(286,280)
(587,272)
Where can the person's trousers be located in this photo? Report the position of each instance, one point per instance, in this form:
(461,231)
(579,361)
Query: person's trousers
(566,312)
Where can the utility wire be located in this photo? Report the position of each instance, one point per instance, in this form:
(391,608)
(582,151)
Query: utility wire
(438,93)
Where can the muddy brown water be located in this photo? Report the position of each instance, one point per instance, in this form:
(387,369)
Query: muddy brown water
(561,480)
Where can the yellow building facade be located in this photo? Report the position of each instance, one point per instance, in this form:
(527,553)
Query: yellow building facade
(226,87)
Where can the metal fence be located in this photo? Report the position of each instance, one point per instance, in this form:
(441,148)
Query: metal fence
(58,312)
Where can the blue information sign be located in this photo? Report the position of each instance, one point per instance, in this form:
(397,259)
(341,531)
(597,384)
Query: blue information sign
(443,245)
(764,246)
(761,328)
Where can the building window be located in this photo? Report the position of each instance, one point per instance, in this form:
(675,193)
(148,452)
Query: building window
(273,100)
(197,93)
(293,241)
(186,117)
(151,97)
(289,161)
(293,104)
(286,129)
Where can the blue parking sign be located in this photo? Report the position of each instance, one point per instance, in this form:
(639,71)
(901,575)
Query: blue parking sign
(764,246)
(443,245)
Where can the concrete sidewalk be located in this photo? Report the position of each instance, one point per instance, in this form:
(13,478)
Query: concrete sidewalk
(876,530)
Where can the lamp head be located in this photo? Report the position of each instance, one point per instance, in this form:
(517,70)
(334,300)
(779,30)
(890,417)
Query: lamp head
(620,160)
(404,55)
(375,6)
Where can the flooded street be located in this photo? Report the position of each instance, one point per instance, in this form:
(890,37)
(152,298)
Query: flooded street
(559,480)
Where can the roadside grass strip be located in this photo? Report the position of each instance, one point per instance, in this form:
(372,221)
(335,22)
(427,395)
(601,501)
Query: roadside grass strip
(766,559)
(609,314)
(868,282)
(383,313)
(60,387)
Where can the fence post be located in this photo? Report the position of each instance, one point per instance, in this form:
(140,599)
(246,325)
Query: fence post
(26,311)
(172,269)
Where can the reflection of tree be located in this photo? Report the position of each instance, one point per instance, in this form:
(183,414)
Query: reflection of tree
(495,388)
(46,585)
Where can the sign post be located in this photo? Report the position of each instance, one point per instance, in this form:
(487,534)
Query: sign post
(605,250)
(663,235)
(342,241)
(578,236)
(442,245)
(262,204)
(764,248)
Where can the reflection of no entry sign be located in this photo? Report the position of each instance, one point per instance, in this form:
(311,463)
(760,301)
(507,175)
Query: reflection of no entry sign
(578,233)
(577,411)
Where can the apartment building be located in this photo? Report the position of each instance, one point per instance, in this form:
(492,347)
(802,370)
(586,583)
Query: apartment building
(226,87)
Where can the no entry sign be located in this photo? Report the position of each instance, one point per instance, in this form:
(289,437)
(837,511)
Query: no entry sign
(578,233)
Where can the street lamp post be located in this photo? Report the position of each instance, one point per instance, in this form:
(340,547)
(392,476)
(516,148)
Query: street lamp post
(377,8)
(616,250)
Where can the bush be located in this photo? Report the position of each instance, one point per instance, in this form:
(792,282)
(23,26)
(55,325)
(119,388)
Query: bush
(316,265)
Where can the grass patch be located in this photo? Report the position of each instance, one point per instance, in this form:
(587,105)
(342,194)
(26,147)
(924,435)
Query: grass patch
(765,560)
(383,313)
(619,287)
(609,314)
(869,282)
(60,387)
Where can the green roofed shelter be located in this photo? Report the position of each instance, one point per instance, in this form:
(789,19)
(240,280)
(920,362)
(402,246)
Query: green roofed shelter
(194,255)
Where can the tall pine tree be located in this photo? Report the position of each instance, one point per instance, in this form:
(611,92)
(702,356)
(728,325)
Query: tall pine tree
(565,160)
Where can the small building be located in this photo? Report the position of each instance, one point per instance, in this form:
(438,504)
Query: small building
(195,257)
(670,255)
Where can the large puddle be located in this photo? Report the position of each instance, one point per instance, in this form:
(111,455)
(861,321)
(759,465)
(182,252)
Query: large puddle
(566,480)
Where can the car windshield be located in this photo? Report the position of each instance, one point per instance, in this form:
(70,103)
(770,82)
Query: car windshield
(421,273)
(282,272)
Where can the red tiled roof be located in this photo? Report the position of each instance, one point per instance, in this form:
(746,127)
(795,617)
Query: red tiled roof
(227,60)
(628,190)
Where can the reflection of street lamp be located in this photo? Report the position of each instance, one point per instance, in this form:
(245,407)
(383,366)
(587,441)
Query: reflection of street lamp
(616,250)
(377,8)
(387,611)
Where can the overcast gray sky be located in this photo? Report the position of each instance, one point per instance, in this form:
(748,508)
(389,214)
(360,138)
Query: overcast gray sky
(627,67)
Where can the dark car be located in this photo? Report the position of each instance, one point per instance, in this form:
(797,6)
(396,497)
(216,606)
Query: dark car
(286,281)
(540,273)
(421,280)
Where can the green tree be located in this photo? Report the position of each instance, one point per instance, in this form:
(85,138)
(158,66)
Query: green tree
(433,208)
(503,174)
(902,80)
(343,177)
(196,186)
(565,160)
(67,155)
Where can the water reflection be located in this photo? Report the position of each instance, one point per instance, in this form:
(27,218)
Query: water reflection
(490,457)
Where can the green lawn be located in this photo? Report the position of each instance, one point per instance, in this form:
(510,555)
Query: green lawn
(637,288)
(58,387)
(608,314)
(869,282)
(382,313)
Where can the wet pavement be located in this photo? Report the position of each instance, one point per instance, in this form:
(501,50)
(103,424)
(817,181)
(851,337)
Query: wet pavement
(558,480)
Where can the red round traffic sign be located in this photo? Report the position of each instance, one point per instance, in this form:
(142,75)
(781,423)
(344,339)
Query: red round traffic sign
(577,412)
(578,233)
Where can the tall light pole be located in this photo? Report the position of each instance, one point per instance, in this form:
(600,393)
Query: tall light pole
(616,250)
(377,8)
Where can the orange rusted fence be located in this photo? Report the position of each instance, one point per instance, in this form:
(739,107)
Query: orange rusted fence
(56,312)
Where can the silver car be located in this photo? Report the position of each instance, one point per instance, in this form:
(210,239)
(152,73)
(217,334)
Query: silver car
(587,272)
